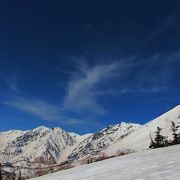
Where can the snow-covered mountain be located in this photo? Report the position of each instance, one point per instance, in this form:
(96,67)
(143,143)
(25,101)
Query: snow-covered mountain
(140,139)
(99,141)
(156,164)
(54,145)
(41,144)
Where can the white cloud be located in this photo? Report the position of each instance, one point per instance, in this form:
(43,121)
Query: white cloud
(82,93)
(87,86)
(36,107)
(83,88)
(72,121)
(115,92)
(47,112)
(153,89)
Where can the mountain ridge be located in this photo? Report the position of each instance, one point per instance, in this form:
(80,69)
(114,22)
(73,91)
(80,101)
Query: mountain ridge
(43,144)
(55,145)
(140,139)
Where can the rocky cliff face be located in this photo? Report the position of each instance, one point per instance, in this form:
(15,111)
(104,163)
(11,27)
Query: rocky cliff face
(102,139)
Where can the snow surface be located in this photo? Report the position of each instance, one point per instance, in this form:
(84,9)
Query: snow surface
(140,139)
(100,140)
(157,164)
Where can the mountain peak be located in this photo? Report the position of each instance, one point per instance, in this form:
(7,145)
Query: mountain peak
(99,141)
(140,139)
(41,128)
(53,145)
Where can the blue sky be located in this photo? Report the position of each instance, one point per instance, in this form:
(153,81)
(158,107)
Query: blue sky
(84,65)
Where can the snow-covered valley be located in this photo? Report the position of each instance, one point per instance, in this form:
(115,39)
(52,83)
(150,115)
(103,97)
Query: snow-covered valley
(157,164)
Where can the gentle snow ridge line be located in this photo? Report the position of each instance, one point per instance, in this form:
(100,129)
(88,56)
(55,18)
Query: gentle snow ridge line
(154,164)
(140,139)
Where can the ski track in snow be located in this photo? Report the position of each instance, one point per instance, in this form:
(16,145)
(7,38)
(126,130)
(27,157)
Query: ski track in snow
(157,164)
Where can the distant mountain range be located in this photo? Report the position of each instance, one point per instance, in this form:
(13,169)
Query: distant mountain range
(54,145)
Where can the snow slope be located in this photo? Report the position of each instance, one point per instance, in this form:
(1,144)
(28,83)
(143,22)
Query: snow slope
(140,139)
(157,164)
(99,141)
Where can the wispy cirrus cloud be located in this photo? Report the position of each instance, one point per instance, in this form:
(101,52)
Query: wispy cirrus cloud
(82,89)
(89,84)
(36,107)
(48,112)
(81,96)
(85,87)
(81,122)
(130,90)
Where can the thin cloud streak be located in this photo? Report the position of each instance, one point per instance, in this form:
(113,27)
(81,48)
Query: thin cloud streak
(81,92)
(80,122)
(47,112)
(87,84)
(36,107)
(116,92)
(154,89)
